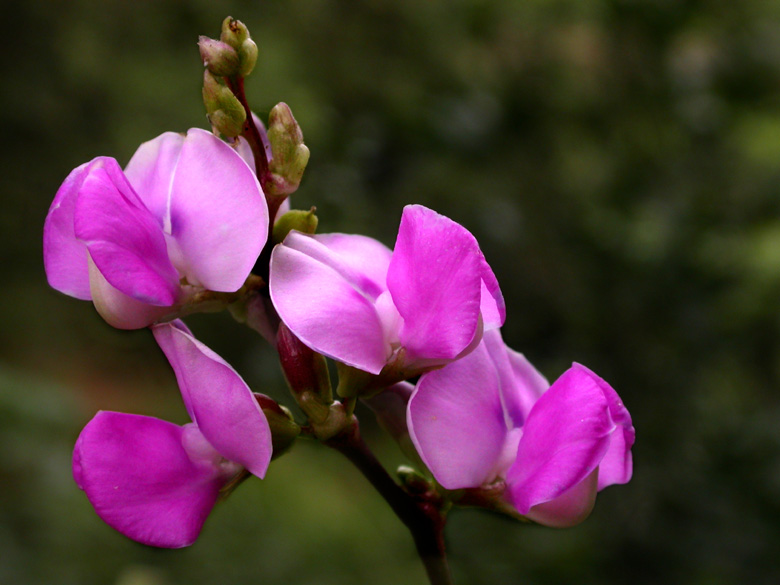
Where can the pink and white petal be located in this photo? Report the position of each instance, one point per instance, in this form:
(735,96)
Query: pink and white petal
(565,437)
(118,309)
(151,169)
(140,480)
(218,400)
(570,508)
(218,213)
(456,421)
(123,238)
(64,256)
(365,256)
(617,465)
(434,278)
(492,302)
(325,311)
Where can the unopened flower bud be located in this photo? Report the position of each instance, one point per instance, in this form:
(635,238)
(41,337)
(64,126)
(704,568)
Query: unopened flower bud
(295,219)
(234,32)
(306,372)
(247,57)
(290,154)
(414,481)
(284,429)
(224,111)
(218,57)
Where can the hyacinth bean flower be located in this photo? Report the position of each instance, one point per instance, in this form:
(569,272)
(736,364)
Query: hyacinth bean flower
(418,306)
(155,481)
(187,214)
(490,419)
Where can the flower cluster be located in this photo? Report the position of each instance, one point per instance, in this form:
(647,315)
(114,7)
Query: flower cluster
(190,217)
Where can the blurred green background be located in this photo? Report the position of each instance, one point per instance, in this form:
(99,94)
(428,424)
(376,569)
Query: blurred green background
(619,161)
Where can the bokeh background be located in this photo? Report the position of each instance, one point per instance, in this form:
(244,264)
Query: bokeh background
(619,161)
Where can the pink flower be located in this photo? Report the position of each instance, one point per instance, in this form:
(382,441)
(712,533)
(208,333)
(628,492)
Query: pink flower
(491,417)
(155,481)
(419,306)
(186,214)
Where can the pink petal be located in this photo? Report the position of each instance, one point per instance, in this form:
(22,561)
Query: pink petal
(218,400)
(151,169)
(364,256)
(64,256)
(565,437)
(118,309)
(123,238)
(141,481)
(521,383)
(457,423)
(616,467)
(318,296)
(218,215)
(435,281)
(492,303)
(570,508)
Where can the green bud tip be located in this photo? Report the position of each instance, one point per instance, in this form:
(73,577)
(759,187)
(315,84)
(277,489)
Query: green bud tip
(289,154)
(295,219)
(234,32)
(218,57)
(247,56)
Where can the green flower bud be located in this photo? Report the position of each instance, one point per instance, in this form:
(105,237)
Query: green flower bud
(295,219)
(218,57)
(247,56)
(224,111)
(289,154)
(234,32)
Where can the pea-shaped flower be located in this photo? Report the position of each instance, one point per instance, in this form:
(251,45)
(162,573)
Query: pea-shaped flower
(187,214)
(490,420)
(418,306)
(155,481)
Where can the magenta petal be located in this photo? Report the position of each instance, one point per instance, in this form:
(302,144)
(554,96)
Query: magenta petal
(322,306)
(218,400)
(151,169)
(492,302)
(521,383)
(457,423)
(140,480)
(617,465)
(218,214)
(570,508)
(564,438)
(64,256)
(123,238)
(434,278)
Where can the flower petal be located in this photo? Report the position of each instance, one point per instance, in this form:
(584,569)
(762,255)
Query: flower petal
(64,256)
(365,256)
(218,214)
(492,303)
(617,465)
(123,238)
(118,309)
(317,297)
(571,507)
(457,423)
(151,169)
(564,439)
(141,481)
(434,278)
(218,400)
(521,383)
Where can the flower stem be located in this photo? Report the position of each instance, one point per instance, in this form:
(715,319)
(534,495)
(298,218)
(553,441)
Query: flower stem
(422,514)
